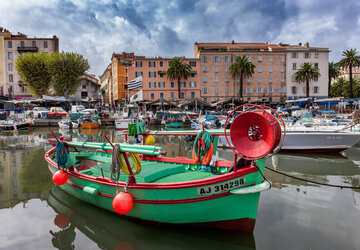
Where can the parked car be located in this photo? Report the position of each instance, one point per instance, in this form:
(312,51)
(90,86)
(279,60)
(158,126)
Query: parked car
(89,111)
(57,110)
(77,108)
(38,112)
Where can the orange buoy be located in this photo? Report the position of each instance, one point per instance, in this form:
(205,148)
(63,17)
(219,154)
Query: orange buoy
(123,203)
(254,134)
(60,177)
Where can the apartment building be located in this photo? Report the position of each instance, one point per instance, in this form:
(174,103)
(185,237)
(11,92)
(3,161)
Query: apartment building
(12,46)
(105,81)
(345,73)
(119,70)
(268,83)
(296,56)
(157,86)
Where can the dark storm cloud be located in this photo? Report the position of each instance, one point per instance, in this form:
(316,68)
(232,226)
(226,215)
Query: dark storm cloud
(97,28)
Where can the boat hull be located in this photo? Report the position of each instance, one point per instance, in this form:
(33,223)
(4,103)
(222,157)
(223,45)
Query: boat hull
(180,203)
(11,127)
(174,124)
(313,141)
(122,124)
(89,125)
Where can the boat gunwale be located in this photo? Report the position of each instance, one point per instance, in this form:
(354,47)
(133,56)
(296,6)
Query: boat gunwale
(169,185)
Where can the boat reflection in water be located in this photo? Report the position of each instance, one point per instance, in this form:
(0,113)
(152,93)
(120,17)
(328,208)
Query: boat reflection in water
(315,167)
(110,231)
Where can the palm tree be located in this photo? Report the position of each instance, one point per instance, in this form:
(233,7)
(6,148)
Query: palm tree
(177,71)
(340,88)
(334,72)
(350,60)
(242,67)
(307,73)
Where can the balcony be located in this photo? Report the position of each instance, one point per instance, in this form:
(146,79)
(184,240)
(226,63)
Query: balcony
(27,49)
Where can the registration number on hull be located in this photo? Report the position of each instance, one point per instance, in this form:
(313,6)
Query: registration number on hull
(223,187)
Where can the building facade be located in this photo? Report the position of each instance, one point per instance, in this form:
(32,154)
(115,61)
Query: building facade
(296,56)
(156,85)
(120,64)
(88,88)
(12,46)
(105,81)
(268,83)
(345,73)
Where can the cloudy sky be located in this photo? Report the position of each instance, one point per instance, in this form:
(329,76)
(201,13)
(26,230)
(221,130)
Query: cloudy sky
(97,28)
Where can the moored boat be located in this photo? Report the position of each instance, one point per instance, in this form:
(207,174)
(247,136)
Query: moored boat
(88,122)
(122,124)
(165,190)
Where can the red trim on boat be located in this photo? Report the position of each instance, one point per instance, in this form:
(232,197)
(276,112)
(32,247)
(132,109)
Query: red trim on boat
(205,198)
(190,200)
(170,185)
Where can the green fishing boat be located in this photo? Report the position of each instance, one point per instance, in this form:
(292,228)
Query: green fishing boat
(179,191)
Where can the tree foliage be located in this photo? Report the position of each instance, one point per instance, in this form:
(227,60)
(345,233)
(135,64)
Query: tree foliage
(66,69)
(350,60)
(62,71)
(34,71)
(242,67)
(177,71)
(334,72)
(307,73)
(341,88)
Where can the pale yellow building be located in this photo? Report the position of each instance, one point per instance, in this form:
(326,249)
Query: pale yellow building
(12,46)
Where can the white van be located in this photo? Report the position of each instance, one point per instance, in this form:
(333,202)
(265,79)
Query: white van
(77,108)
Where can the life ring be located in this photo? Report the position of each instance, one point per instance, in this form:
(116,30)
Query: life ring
(205,160)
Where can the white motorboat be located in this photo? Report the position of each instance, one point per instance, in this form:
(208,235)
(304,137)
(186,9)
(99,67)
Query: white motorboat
(14,125)
(308,140)
(15,121)
(68,124)
(122,124)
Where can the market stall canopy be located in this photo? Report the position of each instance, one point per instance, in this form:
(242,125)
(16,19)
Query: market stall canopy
(227,101)
(195,102)
(54,98)
(160,102)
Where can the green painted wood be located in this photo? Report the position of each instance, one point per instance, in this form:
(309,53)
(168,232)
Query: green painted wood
(224,208)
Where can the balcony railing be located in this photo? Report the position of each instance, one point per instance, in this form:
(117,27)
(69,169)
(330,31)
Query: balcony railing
(27,49)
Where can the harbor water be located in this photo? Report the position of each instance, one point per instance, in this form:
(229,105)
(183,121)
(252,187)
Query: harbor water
(293,214)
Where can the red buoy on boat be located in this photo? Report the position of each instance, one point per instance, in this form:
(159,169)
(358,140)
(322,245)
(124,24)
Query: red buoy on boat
(254,134)
(60,177)
(62,221)
(123,203)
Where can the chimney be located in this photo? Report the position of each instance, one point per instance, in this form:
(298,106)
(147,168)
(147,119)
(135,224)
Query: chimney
(306,45)
(232,42)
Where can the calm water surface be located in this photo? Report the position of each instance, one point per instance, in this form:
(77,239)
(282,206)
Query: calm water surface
(292,215)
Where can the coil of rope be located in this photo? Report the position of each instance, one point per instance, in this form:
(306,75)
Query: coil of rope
(117,164)
(62,156)
(203,148)
(313,182)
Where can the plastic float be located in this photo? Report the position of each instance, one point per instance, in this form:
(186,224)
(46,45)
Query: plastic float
(141,182)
